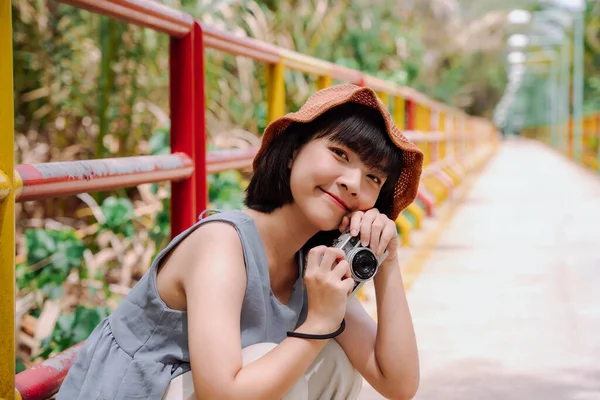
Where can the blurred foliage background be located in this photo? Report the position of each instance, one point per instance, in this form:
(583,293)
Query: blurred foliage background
(88,87)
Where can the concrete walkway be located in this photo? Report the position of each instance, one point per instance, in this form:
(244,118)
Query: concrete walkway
(508,304)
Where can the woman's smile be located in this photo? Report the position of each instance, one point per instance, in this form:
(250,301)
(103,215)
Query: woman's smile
(336,200)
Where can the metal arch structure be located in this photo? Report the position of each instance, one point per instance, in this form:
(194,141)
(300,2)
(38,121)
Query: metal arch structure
(550,27)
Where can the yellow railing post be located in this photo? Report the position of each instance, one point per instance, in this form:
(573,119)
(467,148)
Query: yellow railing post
(423,119)
(418,126)
(275,91)
(427,129)
(383,96)
(434,145)
(463,138)
(454,133)
(441,127)
(399,112)
(7,209)
(469,141)
(324,81)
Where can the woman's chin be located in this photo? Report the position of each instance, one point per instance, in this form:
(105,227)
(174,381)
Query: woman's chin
(320,214)
(325,220)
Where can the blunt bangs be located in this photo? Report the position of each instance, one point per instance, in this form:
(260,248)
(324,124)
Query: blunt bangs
(362,130)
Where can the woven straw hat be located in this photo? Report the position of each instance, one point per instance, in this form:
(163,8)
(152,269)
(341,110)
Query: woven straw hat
(326,99)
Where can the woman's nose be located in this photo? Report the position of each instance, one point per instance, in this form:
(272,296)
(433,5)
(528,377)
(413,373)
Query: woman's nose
(350,182)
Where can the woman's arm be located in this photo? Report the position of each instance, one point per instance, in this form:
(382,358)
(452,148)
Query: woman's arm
(214,287)
(385,353)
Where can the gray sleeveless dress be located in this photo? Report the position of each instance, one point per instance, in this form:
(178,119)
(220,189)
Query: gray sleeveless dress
(143,344)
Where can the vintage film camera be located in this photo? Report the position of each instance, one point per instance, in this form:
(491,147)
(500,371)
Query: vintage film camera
(363,261)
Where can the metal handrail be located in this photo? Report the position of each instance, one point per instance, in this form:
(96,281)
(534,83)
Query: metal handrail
(145,13)
(71,177)
(38,181)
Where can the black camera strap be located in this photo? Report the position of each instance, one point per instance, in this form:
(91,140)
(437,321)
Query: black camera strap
(311,336)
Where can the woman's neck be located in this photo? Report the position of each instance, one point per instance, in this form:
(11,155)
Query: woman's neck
(283,231)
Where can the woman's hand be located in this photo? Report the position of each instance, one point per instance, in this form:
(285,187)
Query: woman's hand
(328,285)
(376,230)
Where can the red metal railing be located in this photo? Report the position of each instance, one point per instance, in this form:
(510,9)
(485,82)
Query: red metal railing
(43,380)
(44,180)
(71,177)
(188,133)
(144,13)
(189,164)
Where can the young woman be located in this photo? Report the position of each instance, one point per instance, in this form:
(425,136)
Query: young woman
(255,303)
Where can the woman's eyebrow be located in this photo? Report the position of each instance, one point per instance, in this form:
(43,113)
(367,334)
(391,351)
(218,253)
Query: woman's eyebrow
(377,170)
(375,167)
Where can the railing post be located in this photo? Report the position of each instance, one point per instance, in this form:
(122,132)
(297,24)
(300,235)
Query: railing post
(462,129)
(434,146)
(7,209)
(598,137)
(399,112)
(200,122)
(423,125)
(468,133)
(475,135)
(275,91)
(184,130)
(441,128)
(452,136)
(410,115)
(384,97)
(449,134)
(324,81)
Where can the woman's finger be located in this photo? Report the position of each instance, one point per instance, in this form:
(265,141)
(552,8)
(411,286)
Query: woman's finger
(355,222)
(365,226)
(348,285)
(388,240)
(330,256)
(344,224)
(342,270)
(376,229)
(315,255)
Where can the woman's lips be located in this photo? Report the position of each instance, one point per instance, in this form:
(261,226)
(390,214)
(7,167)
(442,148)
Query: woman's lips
(336,200)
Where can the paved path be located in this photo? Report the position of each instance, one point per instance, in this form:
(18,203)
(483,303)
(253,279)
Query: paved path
(508,304)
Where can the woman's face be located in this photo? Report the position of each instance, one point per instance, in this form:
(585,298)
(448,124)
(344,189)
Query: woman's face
(328,181)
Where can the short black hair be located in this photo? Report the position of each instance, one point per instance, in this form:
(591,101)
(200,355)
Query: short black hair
(358,127)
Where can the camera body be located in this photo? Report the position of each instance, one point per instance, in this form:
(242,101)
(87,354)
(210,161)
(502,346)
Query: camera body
(363,261)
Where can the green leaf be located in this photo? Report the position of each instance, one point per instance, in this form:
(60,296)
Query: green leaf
(55,253)
(84,322)
(19,366)
(119,213)
(159,142)
(225,191)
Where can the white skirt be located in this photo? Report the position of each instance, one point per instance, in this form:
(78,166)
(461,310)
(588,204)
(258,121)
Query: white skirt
(330,377)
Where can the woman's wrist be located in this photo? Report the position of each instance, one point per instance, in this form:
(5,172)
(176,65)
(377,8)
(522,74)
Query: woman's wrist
(318,336)
(387,269)
(315,326)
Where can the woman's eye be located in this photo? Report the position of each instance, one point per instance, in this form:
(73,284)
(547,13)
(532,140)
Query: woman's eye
(339,153)
(375,179)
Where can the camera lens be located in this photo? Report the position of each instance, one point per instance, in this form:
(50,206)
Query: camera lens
(364,264)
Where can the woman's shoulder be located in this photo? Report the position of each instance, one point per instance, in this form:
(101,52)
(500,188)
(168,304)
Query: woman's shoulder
(217,238)
(205,245)
(232,216)
(215,229)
